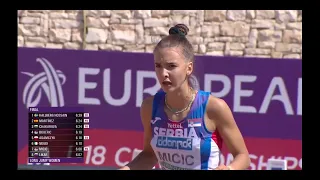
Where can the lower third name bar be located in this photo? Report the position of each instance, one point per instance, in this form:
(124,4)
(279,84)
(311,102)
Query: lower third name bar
(56,160)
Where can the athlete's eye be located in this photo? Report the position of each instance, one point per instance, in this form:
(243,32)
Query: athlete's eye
(172,65)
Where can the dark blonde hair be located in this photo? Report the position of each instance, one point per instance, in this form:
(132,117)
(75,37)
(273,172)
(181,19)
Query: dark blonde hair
(177,38)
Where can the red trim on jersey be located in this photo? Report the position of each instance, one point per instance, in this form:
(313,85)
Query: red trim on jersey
(217,139)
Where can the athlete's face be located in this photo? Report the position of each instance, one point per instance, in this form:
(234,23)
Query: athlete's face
(171,68)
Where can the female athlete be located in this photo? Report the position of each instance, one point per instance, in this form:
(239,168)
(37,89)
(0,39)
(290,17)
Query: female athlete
(184,127)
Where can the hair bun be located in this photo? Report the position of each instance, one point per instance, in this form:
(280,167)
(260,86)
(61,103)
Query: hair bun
(180,29)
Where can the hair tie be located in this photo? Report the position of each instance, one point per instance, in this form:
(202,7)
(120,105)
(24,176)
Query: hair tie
(176,30)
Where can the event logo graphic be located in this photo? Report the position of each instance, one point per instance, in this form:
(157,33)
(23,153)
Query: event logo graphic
(49,81)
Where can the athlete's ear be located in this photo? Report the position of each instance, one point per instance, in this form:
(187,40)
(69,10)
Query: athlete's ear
(189,68)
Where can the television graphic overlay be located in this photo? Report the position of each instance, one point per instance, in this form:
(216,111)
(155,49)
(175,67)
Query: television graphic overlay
(56,135)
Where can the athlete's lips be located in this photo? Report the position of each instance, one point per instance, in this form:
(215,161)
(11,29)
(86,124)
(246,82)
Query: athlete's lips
(166,83)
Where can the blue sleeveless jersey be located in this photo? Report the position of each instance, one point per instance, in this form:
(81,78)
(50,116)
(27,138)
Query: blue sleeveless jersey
(185,144)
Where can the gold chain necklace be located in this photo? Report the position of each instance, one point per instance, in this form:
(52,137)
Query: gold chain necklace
(178,111)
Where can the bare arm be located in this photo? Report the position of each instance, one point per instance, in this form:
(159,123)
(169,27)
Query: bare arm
(220,113)
(146,159)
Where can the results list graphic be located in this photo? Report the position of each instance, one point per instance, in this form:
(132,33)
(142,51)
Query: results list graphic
(56,134)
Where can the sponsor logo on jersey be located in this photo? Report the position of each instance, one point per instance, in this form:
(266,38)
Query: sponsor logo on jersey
(153,121)
(175,126)
(174,143)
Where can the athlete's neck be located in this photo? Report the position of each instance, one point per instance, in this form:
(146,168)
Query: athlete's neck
(180,98)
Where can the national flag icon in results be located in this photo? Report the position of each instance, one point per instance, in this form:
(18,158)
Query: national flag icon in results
(35,115)
(194,122)
(35,132)
(35,120)
(34,126)
(34,154)
(34,143)
(35,137)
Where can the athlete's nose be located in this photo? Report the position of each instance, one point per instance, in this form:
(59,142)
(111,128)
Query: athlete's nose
(164,73)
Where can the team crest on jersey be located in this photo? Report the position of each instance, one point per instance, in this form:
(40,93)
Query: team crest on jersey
(194,122)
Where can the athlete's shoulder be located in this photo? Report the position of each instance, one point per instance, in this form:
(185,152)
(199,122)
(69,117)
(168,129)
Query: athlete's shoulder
(216,105)
(147,102)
